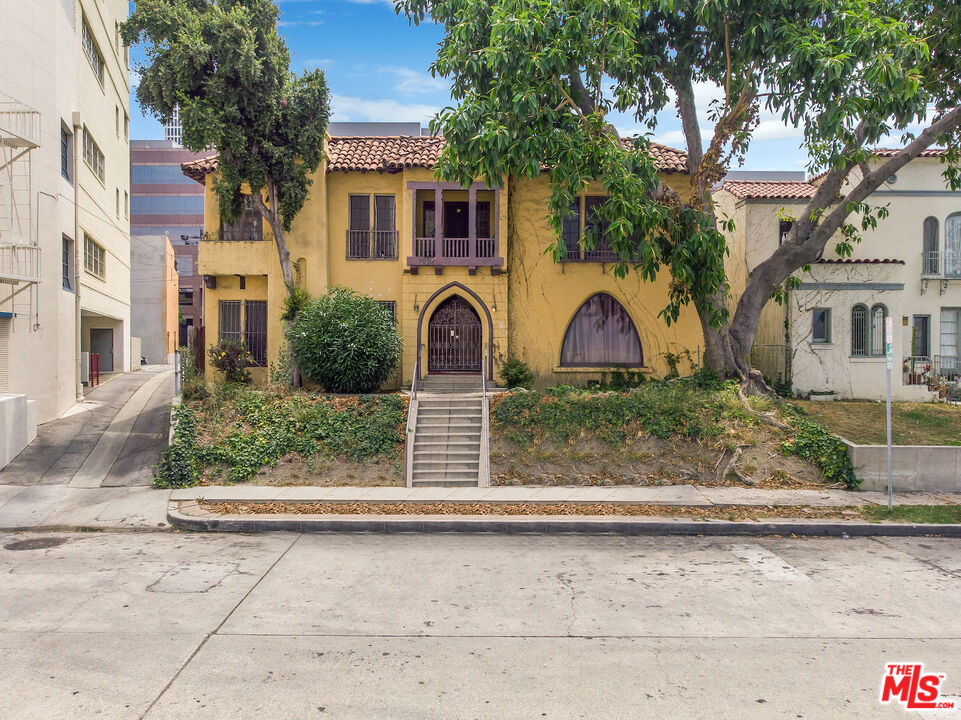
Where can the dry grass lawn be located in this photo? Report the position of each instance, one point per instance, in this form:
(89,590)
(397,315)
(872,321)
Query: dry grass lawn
(863,422)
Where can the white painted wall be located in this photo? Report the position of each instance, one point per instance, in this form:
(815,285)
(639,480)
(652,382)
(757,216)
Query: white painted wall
(44,67)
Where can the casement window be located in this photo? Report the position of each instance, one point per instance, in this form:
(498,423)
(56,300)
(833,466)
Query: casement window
(94,257)
(91,49)
(247,321)
(390,306)
(931,259)
(66,263)
(66,153)
(601,334)
(867,330)
(247,228)
(575,233)
(92,155)
(821,326)
(229,320)
(371,235)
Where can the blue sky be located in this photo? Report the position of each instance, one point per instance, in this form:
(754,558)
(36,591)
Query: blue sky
(377,69)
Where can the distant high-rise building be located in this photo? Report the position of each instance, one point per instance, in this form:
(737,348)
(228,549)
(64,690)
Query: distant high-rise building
(173,130)
(163,201)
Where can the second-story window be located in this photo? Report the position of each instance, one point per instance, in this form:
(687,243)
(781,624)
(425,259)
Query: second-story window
(574,233)
(91,50)
(246,228)
(92,155)
(372,227)
(94,257)
(66,140)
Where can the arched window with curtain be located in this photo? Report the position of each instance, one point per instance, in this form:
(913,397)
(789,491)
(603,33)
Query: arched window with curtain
(601,334)
(952,246)
(931,259)
(878,314)
(859,331)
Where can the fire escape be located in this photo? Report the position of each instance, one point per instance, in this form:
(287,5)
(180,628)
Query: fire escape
(19,252)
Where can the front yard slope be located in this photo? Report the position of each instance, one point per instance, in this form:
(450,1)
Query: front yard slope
(689,430)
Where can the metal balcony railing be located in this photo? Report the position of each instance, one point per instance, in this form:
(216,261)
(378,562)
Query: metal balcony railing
(936,264)
(371,244)
(234,235)
(19,263)
(19,123)
(921,370)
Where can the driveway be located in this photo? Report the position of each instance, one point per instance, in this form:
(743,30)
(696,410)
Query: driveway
(112,439)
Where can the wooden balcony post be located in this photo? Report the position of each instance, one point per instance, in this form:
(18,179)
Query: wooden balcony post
(472,221)
(438,219)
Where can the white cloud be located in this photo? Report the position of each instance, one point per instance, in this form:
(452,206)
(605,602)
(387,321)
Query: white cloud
(413,82)
(134,79)
(318,64)
(353,109)
(776,129)
(295,23)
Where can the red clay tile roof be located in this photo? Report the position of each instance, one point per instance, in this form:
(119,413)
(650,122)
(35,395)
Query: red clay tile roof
(770,189)
(891,152)
(198,169)
(860,261)
(393,154)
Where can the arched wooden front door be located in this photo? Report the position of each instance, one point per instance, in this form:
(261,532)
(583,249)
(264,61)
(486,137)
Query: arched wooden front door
(454,338)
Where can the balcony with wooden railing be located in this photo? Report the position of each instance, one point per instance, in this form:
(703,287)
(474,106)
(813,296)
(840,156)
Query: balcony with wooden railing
(454,226)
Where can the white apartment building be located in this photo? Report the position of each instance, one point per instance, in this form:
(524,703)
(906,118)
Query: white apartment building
(829,337)
(64,239)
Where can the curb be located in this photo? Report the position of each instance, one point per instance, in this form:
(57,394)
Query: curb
(586,525)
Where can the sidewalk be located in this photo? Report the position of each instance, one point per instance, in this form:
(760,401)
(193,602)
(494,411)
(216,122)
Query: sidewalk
(186,511)
(59,507)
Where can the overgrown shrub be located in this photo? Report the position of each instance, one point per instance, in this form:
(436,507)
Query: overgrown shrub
(297,299)
(516,373)
(266,427)
(345,342)
(816,444)
(232,358)
(621,379)
(179,465)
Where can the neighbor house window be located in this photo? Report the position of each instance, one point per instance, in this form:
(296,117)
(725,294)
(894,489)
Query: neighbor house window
(66,140)
(878,314)
(952,246)
(94,257)
(931,260)
(950,342)
(66,263)
(91,50)
(571,230)
(601,334)
(821,326)
(385,228)
(255,330)
(596,227)
(186,296)
(92,154)
(859,331)
(922,336)
(229,320)
(784,229)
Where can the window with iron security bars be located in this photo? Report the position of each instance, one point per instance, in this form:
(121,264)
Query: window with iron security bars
(391,306)
(255,330)
(229,320)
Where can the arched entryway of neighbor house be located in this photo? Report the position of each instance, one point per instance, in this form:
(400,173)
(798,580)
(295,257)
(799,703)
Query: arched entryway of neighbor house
(454,332)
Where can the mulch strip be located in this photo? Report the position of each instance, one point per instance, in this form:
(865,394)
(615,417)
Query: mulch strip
(737,512)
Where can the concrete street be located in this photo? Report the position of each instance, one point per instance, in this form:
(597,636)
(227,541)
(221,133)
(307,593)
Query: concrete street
(174,625)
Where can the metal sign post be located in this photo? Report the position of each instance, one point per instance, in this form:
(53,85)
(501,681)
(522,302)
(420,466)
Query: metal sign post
(889,355)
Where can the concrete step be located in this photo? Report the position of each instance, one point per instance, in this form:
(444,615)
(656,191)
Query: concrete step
(445,483)
(453,428)
(441,473)
(430,454)
(444,463)
(472,437)
(447,415)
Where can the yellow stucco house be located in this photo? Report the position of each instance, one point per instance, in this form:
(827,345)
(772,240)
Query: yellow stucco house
(464,270)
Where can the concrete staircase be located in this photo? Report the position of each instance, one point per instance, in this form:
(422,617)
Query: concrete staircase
(448,434)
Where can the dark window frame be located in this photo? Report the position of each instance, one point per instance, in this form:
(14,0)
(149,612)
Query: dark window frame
(629,328)
(827,338)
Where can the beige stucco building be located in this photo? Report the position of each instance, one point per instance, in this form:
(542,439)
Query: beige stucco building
(64,239)
(829,336)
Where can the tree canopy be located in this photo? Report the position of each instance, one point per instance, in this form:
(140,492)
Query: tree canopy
(225,65)
(534,83)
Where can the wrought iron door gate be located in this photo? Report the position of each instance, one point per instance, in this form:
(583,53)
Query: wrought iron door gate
(454,338)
